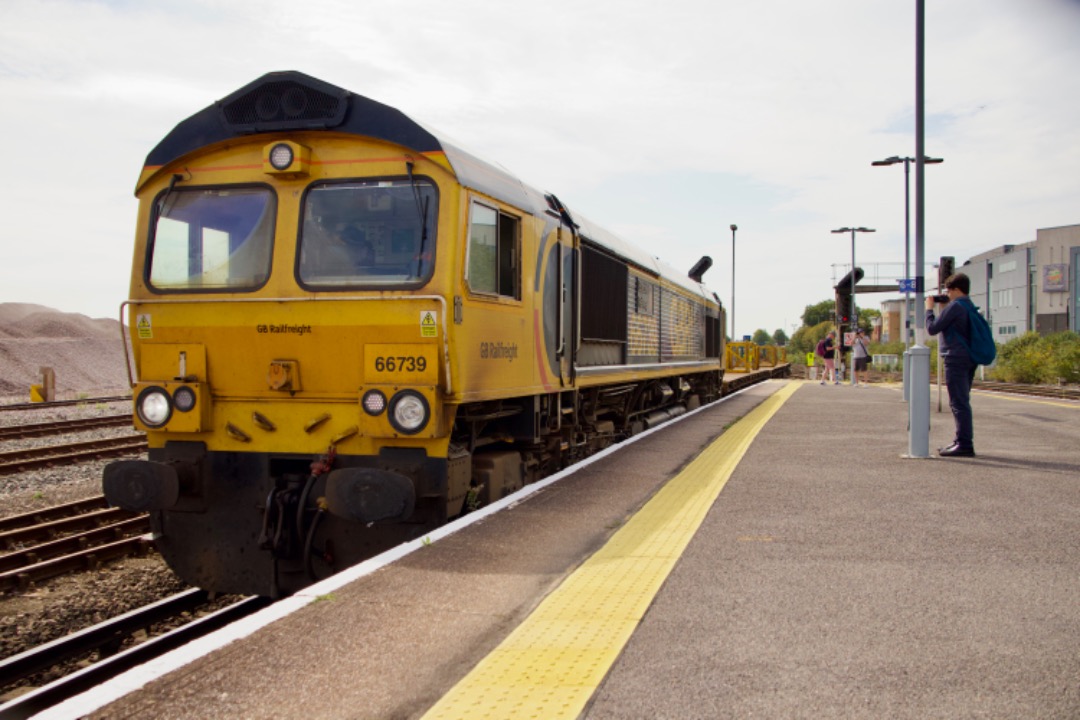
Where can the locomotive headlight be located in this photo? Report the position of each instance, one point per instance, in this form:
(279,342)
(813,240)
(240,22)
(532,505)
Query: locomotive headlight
(154,407)
(281,156)
(184,399)
(374,402)
(409,412)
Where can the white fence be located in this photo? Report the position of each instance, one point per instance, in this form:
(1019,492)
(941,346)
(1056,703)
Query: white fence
(884,362)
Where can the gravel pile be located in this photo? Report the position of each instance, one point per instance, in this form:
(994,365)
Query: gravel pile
(86,354)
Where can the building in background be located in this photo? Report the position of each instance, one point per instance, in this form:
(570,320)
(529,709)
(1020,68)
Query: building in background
(1001,288)
(1057,266)
(1018,288)
(892,320)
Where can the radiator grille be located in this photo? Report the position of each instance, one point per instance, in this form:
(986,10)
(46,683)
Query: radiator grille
(284,105)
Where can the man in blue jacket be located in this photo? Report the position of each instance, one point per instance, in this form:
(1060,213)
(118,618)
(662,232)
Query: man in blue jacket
(954,325)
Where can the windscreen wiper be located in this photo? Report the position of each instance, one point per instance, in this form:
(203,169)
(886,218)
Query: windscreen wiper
(168,191)
(421,208)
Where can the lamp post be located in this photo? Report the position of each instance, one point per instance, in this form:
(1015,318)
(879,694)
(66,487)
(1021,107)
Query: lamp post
(854,312)
(919,354)
(734,227)
(894,160)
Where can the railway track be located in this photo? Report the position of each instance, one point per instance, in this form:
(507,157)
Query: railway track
(1052,391)
(734,381)
(65,403)
(56,512)
(65,454)
(60,427)
(67,538)
(105,639)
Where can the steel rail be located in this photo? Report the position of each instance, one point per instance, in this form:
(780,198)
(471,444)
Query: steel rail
(63,403)
(88,559)
(15,432)
(26,663)
(68,453)
(26,558)
(56,512)
(55,528)
(106,636)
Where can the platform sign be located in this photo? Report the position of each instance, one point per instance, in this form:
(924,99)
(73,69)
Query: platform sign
(907,285)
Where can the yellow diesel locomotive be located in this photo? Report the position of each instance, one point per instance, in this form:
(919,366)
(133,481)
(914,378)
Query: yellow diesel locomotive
(345,330)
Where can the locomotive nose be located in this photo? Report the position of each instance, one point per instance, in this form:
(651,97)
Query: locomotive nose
(141,485)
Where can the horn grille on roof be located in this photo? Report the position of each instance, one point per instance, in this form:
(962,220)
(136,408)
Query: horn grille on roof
(279,103)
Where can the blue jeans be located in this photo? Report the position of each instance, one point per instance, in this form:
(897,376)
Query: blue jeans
(959,374)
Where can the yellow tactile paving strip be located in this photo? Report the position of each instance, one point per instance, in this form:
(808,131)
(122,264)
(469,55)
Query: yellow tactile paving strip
(552,663)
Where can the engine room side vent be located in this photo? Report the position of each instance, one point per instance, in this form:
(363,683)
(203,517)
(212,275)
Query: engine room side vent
(603,296)
(284,101)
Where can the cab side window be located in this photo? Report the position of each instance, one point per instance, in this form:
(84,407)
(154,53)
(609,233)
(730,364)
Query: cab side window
(493,266)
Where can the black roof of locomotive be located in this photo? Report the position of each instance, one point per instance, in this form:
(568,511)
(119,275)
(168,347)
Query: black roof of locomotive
(292,101)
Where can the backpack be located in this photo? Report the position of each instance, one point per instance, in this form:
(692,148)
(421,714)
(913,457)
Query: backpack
(982,347)
(820,351)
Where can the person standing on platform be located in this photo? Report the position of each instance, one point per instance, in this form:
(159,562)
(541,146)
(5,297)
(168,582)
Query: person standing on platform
(828,355)
(954,326)
(860,354)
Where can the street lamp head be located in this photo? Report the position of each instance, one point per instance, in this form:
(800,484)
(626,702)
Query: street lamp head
(734,227)
(843,230)
(865,229)
(894,160)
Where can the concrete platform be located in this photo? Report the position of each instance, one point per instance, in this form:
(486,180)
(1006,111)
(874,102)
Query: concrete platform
(835,579)
(830,578)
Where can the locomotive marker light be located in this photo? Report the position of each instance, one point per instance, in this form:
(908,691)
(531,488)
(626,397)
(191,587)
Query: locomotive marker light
(374,402)
(286,158)
(184,399)
(854,312)
(281,156)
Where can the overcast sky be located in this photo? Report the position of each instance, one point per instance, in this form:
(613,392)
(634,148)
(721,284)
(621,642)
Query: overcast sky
(664,122)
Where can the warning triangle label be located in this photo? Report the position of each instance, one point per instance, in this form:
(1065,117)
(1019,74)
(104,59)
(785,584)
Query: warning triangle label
(428,326)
